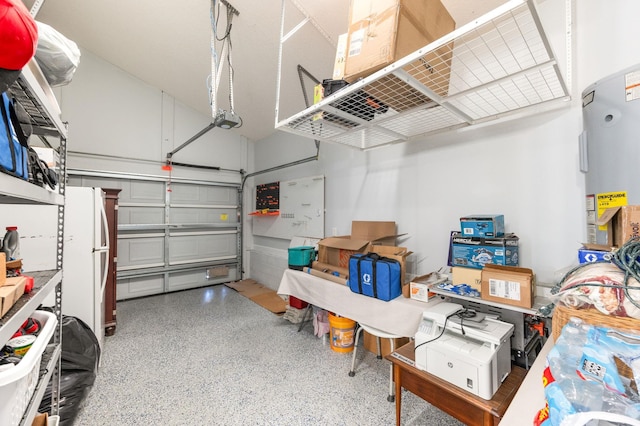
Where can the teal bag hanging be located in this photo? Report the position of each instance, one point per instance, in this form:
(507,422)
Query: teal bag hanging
(13,143)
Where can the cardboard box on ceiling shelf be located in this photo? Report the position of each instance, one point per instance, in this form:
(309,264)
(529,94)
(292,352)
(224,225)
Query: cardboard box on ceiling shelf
(623,223)
(384,31)
(508,285)
(364,234)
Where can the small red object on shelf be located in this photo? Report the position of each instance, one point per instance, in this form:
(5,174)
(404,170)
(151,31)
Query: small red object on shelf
(265,212)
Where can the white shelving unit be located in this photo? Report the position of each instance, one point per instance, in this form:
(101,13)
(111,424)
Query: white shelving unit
(497,65)
(32,91)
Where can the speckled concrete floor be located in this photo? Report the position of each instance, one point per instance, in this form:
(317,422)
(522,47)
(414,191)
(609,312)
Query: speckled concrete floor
(210,356)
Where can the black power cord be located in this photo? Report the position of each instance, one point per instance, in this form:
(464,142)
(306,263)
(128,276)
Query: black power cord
(462,314)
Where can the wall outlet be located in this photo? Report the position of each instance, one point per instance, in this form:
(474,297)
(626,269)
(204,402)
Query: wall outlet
(334,232)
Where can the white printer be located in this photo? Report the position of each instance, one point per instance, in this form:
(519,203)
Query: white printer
(466,349)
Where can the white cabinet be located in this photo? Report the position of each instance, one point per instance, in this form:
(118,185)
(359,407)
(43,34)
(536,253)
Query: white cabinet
(33,92)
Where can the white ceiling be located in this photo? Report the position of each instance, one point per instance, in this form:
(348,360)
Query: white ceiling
(167,45)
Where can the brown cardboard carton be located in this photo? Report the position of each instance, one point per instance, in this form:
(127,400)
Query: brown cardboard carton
(3,268)
(508,285)
(10,292)
(396,253)
(337,250)
(380,232)
(469,276)
(385,345)
(623,223)
(341,57)
(383,31)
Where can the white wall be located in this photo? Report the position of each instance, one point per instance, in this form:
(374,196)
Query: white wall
(112,113)
(526,169)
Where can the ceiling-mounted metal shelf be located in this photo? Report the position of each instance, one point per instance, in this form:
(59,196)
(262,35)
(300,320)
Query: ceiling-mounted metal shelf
(33,93)
(498,65)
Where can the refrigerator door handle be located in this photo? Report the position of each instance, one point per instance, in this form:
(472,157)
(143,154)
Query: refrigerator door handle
(104,249)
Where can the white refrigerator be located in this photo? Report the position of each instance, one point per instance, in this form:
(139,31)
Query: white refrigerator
(86,255)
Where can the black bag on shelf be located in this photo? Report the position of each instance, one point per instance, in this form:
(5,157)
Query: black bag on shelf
(39,171)
(359,104)
(13,142)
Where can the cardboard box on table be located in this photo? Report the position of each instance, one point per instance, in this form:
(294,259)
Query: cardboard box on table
(623,223)
(336,251)
(470,276)
(508,285)
(476,252)
(384,31)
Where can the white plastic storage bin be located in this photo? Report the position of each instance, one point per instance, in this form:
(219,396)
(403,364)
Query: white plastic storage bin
(18,383)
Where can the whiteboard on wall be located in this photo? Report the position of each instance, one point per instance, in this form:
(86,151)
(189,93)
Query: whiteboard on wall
(301,211)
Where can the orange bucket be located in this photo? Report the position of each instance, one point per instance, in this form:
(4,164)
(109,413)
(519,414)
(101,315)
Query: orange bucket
(342,331)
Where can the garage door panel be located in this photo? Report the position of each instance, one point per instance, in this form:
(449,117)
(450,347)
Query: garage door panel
(203,194)
(195,248)
(204,215)
(198,278)
(128,288)
(143,192)
(140,252)
(140,215)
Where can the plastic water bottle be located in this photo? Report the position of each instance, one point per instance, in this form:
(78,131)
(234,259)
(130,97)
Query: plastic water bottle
(583,395)
(11,243)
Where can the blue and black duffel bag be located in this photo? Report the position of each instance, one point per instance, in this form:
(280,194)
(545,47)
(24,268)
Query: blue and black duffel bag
(374,276)
(13,142)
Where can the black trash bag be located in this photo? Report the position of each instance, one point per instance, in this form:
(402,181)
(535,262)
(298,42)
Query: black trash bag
(74,388)
(79,366)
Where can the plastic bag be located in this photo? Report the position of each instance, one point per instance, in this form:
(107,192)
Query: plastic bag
(57,56)
(79,367)
(591,370)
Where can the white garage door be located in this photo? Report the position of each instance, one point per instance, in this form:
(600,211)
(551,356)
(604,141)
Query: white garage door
(172,236)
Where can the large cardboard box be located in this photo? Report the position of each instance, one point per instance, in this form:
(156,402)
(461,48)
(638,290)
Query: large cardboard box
(483,225)
(508,285)
(383,31)
(623,223)
(396,253)
(385,345)
(336,251)
(10,292)
(475,252)
(470,276)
